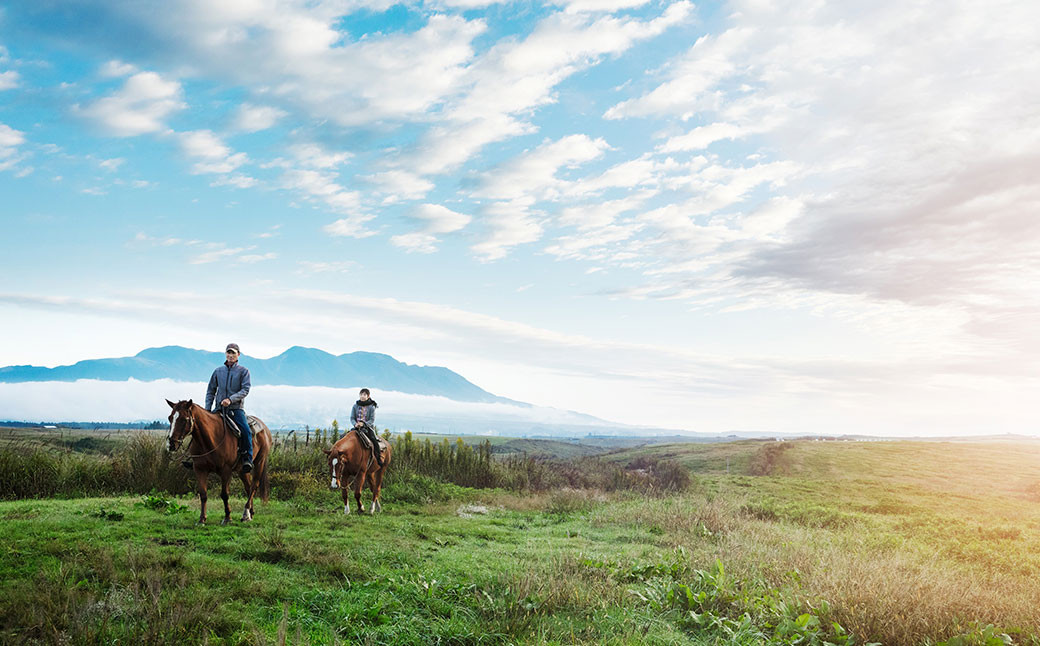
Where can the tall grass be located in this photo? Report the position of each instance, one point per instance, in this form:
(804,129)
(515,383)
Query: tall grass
(298,468)
(139,465)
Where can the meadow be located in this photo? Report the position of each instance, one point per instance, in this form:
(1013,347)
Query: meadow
(757,543)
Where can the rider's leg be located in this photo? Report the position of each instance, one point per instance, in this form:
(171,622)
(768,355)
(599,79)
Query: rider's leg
(245,445)
(371,432)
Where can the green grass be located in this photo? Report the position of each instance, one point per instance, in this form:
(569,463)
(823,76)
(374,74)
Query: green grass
(100,570)
(846,543)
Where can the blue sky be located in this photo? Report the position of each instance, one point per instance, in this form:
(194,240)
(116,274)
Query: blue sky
(790,216)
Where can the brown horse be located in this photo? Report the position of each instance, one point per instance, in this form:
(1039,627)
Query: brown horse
(214,449)
(348,458)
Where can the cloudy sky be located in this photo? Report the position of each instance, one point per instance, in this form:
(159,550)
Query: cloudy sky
(790,216)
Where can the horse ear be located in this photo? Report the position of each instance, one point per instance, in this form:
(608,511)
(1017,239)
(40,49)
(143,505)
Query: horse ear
(172,405)
(190,404)
(326,451)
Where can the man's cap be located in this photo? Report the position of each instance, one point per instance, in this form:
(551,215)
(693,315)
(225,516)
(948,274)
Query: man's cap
(233,346)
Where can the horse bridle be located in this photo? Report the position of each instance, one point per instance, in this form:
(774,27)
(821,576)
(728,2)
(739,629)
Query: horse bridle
(191,432)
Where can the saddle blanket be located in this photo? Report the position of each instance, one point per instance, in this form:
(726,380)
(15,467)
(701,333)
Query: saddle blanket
(367,443)
(254,426)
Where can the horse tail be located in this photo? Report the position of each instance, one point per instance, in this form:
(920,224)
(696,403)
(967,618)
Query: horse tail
(265,483)
(265,471)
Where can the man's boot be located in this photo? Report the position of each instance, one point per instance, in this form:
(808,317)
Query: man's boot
(247,463)
(187,464)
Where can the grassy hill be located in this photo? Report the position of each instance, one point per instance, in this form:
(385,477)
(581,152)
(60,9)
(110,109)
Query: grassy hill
(796,543)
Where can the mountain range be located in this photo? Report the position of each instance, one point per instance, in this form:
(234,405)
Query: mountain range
(297,366)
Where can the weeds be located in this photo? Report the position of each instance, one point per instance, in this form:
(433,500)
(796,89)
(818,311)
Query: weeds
(157,502)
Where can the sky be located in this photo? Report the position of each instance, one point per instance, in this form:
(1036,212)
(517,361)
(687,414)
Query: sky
(760,216)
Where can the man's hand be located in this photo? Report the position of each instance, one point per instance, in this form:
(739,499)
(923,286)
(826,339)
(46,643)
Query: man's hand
(226,402)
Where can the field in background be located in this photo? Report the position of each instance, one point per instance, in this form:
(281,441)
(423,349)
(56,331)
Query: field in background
(785,543)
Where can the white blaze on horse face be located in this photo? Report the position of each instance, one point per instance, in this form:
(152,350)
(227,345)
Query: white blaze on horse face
(334,461)
(172,425)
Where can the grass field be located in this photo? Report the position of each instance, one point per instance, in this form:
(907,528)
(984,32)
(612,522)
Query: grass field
(789,543)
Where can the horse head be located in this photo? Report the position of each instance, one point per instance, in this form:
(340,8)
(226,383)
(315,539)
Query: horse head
(335,459)
(182,423)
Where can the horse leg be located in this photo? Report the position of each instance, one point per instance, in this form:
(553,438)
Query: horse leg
(225,492)
(247,483)
(377,490)
(200,479)
(359,484)
(346,499)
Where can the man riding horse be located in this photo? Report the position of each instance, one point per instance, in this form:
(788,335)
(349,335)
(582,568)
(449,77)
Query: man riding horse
(363,415)
(229,385)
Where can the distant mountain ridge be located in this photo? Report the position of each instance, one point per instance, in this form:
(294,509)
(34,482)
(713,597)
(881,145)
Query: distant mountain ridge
(297,366)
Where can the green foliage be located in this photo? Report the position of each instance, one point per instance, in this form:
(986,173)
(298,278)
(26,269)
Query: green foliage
(715,604)
(106,514)
(157,502)
(979,635)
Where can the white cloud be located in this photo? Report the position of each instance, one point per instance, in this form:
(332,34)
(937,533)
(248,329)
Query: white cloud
(256,257)
(703,136)
(9,80)
(310,267)
(295,53)
(211,251)
(203,143)
(350,227)
(254,118)
(509,224)
(235,180)
(214,157)
(322,186)
(216,252)
(10,140)
(415,242)
(516,76)
(141,106)
(116,69)
(438,220)
(112,164)
(314,156)
(579,6)
(278,406)
(533,174)
(692,78)
(400,184)
(899,146)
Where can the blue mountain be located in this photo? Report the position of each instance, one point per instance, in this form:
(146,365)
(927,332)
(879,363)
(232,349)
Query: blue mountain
(297,366)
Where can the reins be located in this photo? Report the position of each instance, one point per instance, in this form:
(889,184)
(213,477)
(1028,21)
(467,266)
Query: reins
(216,445)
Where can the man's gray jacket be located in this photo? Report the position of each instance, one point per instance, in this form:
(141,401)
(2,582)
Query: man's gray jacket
(228,382)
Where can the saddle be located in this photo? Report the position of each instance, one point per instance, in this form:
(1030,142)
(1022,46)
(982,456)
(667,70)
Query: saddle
(367,443)
(232,427)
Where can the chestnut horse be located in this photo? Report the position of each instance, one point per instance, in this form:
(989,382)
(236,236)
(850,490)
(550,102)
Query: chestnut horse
(214,449)
(348,458)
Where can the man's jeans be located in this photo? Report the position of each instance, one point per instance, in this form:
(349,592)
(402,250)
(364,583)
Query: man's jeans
(245,445)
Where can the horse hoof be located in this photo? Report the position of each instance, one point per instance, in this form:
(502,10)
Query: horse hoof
(346,510)
(225,521)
